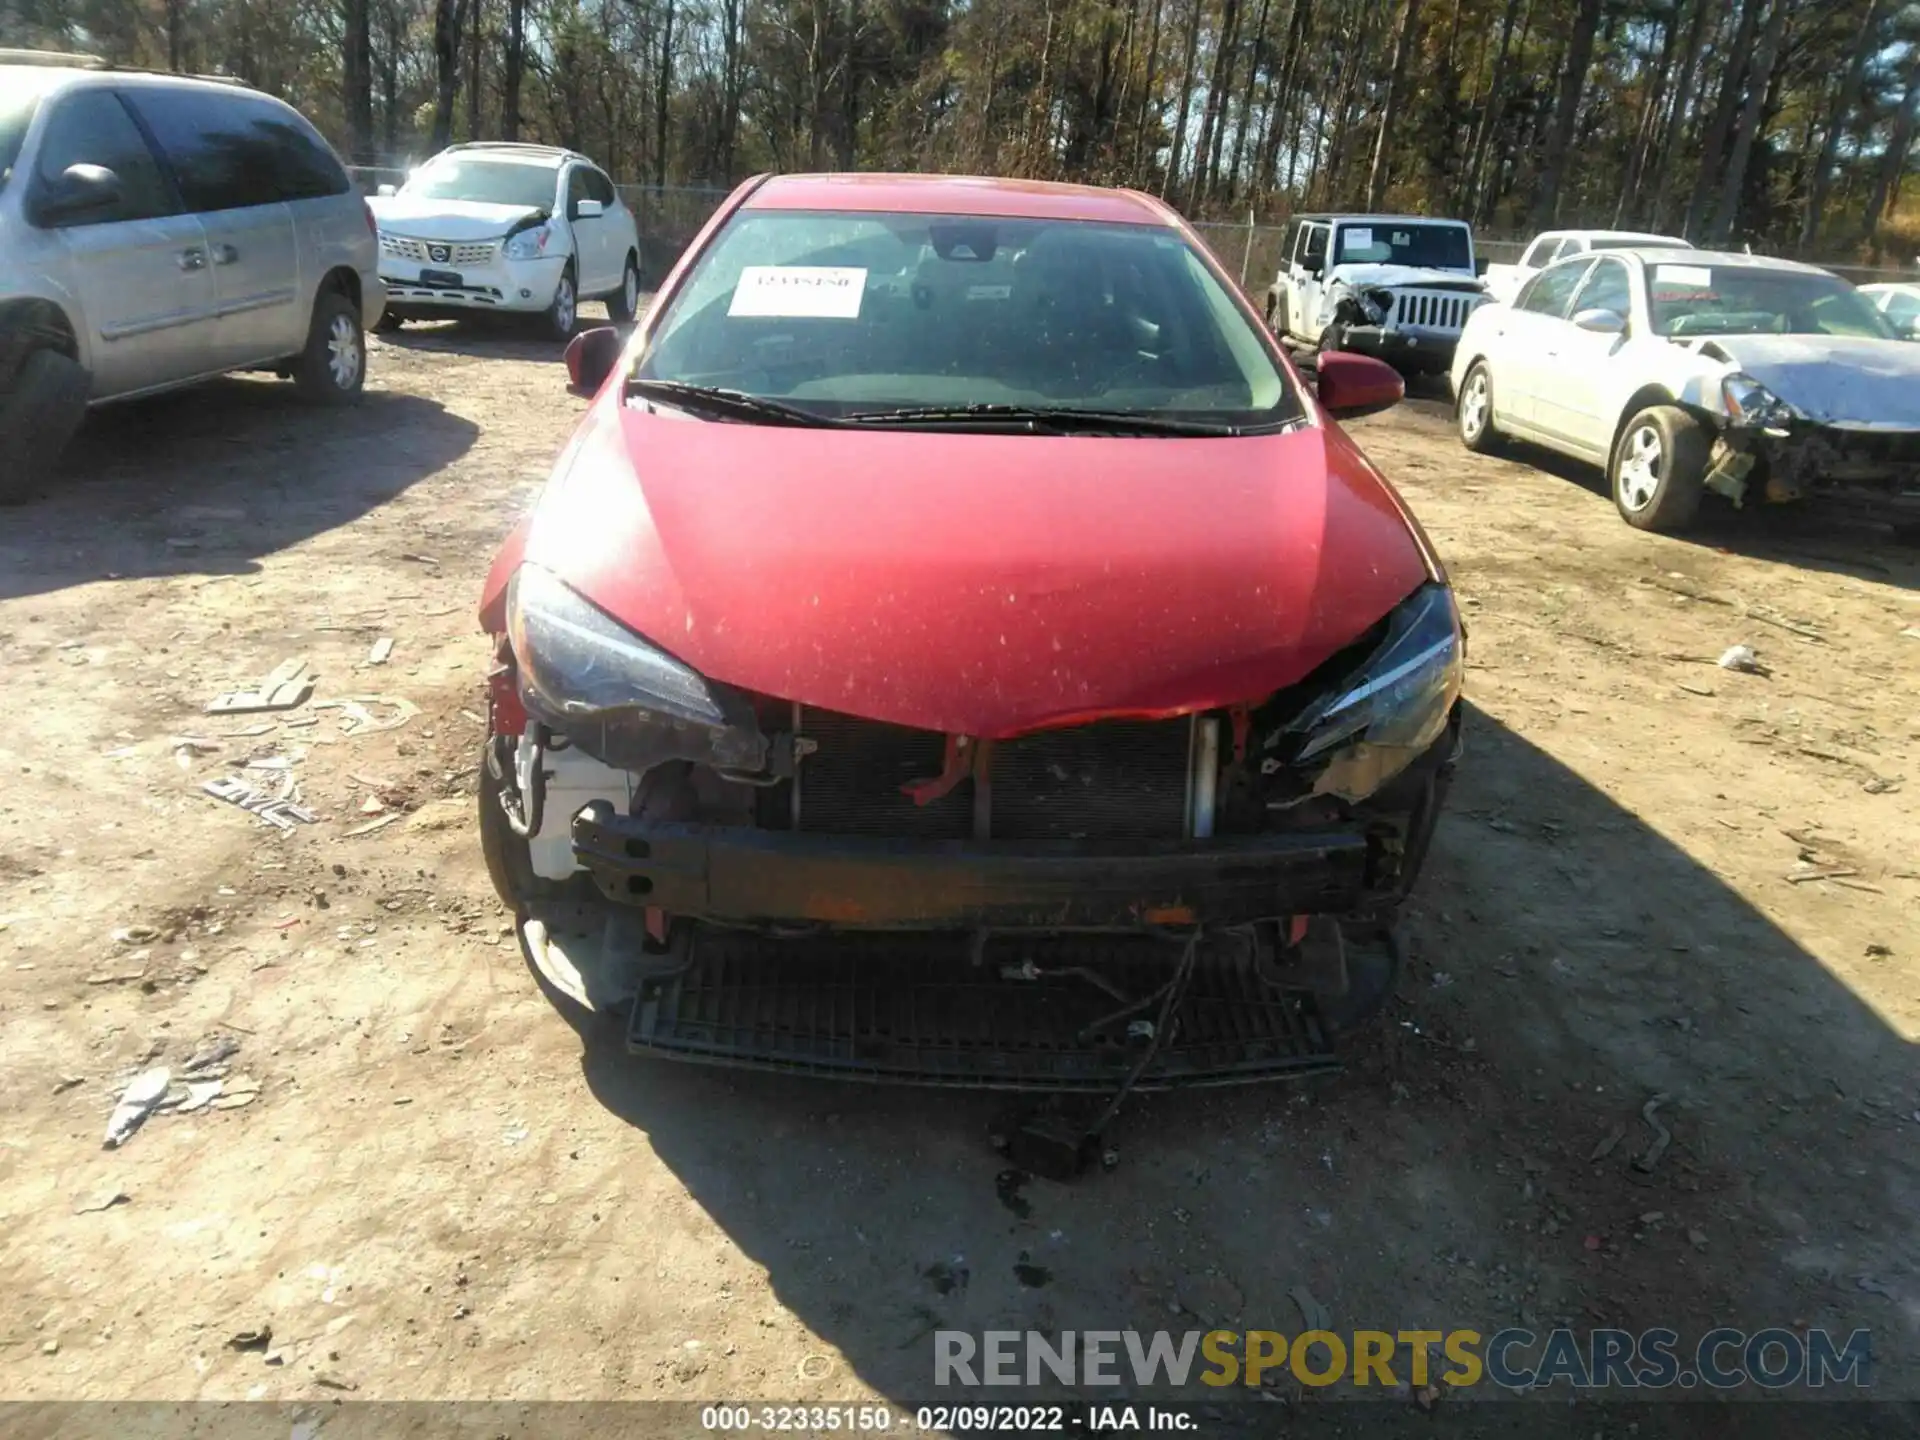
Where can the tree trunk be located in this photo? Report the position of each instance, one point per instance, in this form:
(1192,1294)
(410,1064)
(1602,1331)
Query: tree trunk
(1649,121)
(449,18)
(1490,115)
(1713,144)
(357,75)
(1168,181)
(390,80)
(513,70)
(1566,114)
(1214,115)
(1757,86)
(732,85)
(1283,102)
(1666,149)
(1226,72)
(1146,94)
(1899,151)
(1838,122)
(1390,106)
(474,96)
(1246,101)
(663,92)
(176,35)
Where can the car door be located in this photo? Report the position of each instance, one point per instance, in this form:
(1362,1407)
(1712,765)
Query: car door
(1305,285)
(139,266)
(617,231)
(220,147)
(589,235)
(1573,408)
(1526,342)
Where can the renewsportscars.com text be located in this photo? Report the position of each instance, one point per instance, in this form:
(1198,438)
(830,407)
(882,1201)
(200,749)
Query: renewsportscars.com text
(1775,1358)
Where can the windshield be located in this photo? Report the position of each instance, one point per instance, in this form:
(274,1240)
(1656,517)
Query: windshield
(1432,247)
(491,182)
(16,114)
(1691,300)
(849,313)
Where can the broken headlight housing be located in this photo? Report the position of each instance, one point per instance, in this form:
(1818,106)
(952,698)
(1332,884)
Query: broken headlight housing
(1751,404)
(623,700)
(1382,716)
(1378,304)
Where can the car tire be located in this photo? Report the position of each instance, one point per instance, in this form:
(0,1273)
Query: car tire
(1375,958)
(1473,414)
(623,305)
(563,314)
(1658,469)
(333,368)
(508,856)
(38,416)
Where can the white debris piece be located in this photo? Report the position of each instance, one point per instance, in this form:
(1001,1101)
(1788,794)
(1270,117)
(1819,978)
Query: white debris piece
(137,1101)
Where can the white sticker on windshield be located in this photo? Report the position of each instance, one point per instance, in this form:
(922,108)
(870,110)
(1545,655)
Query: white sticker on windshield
(1696,275)
(1357,238)
(820,292)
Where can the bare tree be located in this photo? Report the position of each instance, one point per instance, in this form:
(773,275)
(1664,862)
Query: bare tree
(449,19)
(1390,106)
(1566,113)
(1846,102)
(1728,214)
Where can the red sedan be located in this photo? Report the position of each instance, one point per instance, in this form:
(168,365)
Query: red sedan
(957,647)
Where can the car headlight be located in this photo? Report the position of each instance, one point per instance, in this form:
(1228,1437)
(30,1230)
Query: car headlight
(1380,719)
(611,691)
(1751,403)
(529,244)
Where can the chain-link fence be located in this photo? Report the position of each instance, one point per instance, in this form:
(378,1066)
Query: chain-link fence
(668,216)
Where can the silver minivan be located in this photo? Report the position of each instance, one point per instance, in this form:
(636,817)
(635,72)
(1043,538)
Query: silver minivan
(156,230)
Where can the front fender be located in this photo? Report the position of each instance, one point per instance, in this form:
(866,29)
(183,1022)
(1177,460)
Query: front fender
(493,596)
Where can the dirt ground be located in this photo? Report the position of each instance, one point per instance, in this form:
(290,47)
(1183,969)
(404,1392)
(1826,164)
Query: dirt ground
(443,1189)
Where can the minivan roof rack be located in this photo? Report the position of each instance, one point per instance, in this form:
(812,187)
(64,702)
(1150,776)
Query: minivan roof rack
(525,146)
(53,57)
(62,59)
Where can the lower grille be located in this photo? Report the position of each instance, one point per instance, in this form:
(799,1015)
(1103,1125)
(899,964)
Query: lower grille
(914,1009)
(1121,780)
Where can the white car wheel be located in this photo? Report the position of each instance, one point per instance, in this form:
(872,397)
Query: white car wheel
(1473,411)
(564,310)
(1638,475)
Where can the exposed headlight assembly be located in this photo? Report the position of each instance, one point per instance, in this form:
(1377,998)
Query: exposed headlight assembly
(1380,302)
(619,698)
(1361,733)
(529,244)
(1751,404)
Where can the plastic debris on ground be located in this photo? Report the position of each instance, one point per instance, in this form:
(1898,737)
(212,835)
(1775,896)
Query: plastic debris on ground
(137,1101)
(1742,658)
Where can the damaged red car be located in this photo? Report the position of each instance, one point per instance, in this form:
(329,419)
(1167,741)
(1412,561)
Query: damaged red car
(957,647)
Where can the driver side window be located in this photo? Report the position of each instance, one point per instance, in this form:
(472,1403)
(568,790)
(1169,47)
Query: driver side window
(1313,246)
(1607,288)
(1551,291)
(577,190)
(91,127)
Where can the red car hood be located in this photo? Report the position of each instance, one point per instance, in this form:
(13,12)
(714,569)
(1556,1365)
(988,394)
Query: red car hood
(978,584)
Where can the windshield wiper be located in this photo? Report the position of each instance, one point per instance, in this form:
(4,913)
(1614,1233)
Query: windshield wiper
(1041,419)
(727,404)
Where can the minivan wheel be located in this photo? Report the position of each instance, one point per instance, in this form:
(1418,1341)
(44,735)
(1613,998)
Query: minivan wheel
(333,367)
(624,304)
(38,416)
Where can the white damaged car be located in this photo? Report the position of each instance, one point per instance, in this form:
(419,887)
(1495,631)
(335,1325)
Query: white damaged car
(1685,372)
(491,226)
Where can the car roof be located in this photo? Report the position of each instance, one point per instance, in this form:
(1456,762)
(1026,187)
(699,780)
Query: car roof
(958,195)
(1334,216)
(1910,287)
(1666,254)
(516,151)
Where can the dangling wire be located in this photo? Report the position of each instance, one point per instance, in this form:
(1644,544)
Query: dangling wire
(1170,995)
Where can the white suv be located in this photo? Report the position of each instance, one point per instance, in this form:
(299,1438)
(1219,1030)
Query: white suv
(156,230)
(507,227)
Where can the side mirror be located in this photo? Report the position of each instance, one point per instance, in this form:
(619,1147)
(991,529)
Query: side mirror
(1480,265)
(1351,385)
(80,192)
(1602,322)
(591,356)
(386,192)
(588,210)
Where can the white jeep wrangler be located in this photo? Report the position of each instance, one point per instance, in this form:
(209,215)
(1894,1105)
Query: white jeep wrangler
(1398,287)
